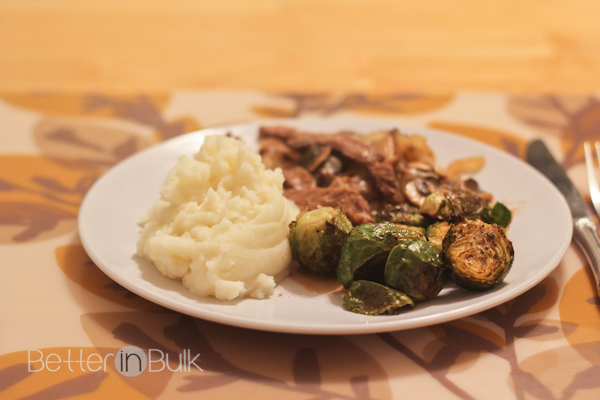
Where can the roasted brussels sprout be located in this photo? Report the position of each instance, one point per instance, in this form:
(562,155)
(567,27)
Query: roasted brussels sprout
(371,298)
(416,268)
(418,229)
(479,254)
(436,232)
(444,203)
(365,252)
(316,238)
(404,214)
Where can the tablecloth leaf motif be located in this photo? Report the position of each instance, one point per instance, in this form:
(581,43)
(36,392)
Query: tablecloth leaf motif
(69,380)
(544,329)
(23,222)
(239,360)
(329,104)
(86,143)
(502,140)
(575,307)
(460,334)
(112,331)
(196,383)
(523,382)
(471,335)
(77,265)
(360,387)
(305,367)
(548,299)
(574,119)
(78,386)
(309,372)
(41,195)
(79,104)
(565,372)
(449,357)
(595,300)
(13,374)
(39,198)
(585,379)
(438,368)
(145,109)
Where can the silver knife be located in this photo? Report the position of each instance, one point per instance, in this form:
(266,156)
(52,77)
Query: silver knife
(584,228)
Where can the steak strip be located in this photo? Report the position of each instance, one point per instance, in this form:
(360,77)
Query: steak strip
(338,195)
(346,144)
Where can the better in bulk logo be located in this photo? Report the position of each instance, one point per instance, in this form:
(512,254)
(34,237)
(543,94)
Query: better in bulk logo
(129,361)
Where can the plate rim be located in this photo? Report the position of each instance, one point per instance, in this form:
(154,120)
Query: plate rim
(297,328)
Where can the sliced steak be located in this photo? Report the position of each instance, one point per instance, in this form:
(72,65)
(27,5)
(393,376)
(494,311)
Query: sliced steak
(298,178)
(339,194)
(346,144)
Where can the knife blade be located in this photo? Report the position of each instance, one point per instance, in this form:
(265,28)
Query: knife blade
(584,227)
(539,157)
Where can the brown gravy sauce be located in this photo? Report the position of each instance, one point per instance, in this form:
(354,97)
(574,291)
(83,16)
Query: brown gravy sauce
(316,284)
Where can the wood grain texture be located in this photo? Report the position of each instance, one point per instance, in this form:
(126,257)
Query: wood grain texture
(325,45)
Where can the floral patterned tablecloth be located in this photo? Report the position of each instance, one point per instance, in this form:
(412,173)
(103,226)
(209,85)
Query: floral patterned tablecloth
(55,304)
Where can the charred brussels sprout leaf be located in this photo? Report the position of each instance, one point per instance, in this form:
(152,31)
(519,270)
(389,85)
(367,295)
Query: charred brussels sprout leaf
(415,268)
(500,215)
(405,214)
(371,298)
(436,233)
(418,229)
(316,238)
(365,252)
(479,254)
(446,202)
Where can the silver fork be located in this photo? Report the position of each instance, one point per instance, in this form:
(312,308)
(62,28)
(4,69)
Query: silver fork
(590,246)
(591,173)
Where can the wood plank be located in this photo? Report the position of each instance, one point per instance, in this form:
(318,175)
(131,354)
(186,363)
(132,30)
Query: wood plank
(328,45)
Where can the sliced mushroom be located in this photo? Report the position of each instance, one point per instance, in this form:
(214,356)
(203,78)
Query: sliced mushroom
(314,156)
(419,180)
(417,169)
(418,189)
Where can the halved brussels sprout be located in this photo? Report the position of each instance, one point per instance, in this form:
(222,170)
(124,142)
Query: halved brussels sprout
(365,252)
(444,203)
(316,238)
(420,230)
(404,214)
(436,233)
(479,254)
(371,298)
(416,268)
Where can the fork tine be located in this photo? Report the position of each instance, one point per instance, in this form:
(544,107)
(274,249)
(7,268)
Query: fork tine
(591,174)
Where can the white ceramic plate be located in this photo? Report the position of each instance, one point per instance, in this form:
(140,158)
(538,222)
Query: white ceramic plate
(108,225)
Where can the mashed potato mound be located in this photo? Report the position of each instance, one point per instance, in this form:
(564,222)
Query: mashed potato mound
(221,223)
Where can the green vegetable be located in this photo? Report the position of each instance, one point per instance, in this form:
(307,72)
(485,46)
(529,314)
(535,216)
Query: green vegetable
(500,215)
(365,252)
(446,202)
(316,238)
(418,229)
(404,214)
(479,254)
(371,298)
(436,233)
(415,268)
